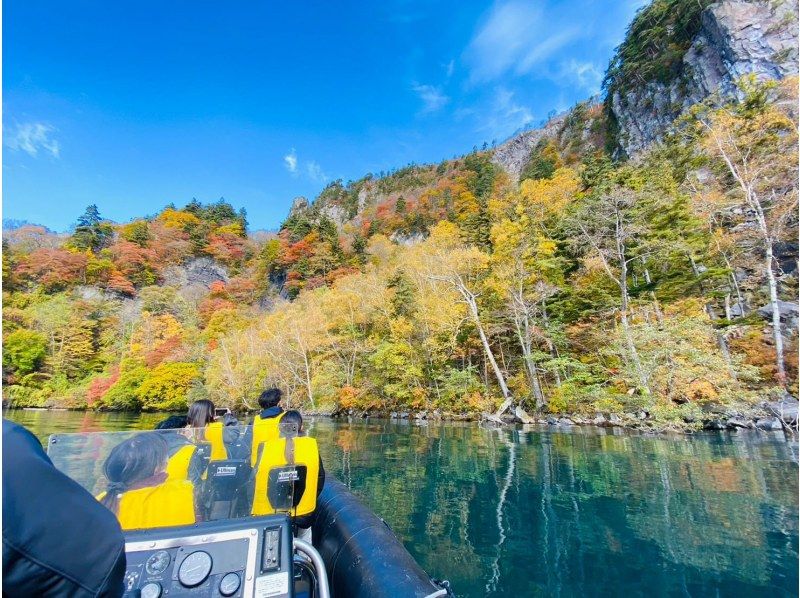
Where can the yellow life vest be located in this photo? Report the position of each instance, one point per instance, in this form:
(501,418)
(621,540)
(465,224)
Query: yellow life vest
(178,464)
(213,433)
(264,430)
(165,505)
(306,462)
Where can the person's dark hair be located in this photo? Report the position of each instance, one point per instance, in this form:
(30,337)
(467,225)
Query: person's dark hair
(291,421)
(290,418)
(138,458)
(269,398)
(200,413)
(173,422)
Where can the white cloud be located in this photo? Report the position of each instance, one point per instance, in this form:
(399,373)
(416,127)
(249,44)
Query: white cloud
(505,116)
(32,138)
(290,160)
(315,172)
(586,75)
(449,68)
(544,49)
(519,38)
(432,98)
(309,168)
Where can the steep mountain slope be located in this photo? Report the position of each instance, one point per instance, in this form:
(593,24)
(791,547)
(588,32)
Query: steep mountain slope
(547,273)
(679,53)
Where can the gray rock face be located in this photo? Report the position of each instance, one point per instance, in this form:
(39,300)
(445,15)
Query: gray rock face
(407,240)
(513,155)
(336,213)
(204,271)
(521,416)
(195,277)
(299,204)
(737,38)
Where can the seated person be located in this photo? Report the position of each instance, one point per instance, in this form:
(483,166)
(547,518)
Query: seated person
(185,460)
(139,491)
(265,423)
(173,422)
(290,451)
(57,539)
(224,436)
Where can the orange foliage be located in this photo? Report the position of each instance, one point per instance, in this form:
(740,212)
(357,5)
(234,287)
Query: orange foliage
(171,245)
(242,289)
(210,305)
(53,268)
(167,349)
(138,264)
(227,247)
(291,253)
(340,272)
(119,284)
(99,386)
(217,289)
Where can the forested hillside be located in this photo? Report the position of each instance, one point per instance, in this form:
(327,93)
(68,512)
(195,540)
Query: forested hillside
(580,283)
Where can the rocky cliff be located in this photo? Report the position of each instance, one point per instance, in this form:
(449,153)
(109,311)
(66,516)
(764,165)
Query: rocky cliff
(513,155)
(735,38)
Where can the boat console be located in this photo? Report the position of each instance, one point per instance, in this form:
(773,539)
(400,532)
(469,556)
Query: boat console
(227,551)
(234,558)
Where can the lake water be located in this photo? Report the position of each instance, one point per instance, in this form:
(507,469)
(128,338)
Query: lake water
(580,512)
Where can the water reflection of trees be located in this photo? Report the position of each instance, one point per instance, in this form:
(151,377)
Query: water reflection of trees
(582,513)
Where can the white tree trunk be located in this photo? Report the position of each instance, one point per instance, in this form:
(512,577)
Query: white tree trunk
(472,304)
(776,313)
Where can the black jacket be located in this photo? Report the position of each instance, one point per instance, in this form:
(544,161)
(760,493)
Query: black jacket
(57,539)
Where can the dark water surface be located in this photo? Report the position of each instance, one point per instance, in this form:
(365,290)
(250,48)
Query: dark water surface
(540,512)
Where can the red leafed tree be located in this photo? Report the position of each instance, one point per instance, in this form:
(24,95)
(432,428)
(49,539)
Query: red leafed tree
(170,349)
(99,386)
(339,272)
(119,284)
(218,289)
(171,245)
(54,269)
(242,289)
(227,248)
(210,305)
(138,264)
(291,253)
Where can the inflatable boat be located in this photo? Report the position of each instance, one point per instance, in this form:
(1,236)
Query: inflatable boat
(228,551)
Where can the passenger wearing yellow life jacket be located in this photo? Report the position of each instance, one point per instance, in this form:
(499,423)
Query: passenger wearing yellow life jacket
(139,491)
(265,424)
(203,427)
(186,461)
(295,458)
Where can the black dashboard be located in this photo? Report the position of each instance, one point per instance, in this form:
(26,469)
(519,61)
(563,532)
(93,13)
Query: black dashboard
(235,558)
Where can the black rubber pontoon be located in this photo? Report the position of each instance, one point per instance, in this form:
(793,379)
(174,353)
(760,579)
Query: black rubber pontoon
(363,557)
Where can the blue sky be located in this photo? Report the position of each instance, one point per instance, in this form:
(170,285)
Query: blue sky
(133,105)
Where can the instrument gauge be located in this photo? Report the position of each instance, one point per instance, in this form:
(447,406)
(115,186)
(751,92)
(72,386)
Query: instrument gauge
(151,590)
(157,563)
(229,584)
(195,568)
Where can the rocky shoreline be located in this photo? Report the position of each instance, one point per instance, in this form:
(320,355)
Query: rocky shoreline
(770,416)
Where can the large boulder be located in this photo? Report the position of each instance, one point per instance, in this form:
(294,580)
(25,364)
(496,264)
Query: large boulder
(787,309)
(770,424)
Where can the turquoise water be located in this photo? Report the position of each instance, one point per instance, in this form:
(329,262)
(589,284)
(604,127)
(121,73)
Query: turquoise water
(541,512)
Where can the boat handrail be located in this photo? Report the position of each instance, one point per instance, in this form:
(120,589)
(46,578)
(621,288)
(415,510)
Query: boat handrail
(323,590)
